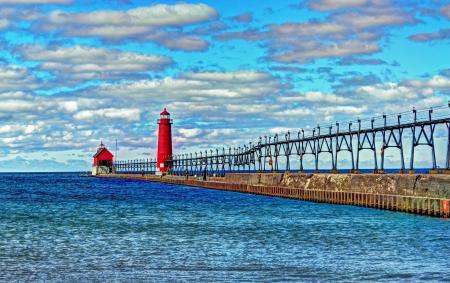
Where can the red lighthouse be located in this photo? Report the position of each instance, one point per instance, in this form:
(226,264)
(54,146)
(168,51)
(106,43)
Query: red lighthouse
(164,141)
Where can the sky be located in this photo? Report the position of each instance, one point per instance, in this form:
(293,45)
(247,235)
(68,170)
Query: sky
(77,72)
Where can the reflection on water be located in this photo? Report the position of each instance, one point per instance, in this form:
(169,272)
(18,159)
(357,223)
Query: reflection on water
(63,228)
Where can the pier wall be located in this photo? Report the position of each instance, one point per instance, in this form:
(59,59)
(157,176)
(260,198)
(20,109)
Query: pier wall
(420,194)
(437,186)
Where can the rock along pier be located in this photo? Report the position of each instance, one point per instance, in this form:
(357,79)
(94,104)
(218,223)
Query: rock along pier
(416,193)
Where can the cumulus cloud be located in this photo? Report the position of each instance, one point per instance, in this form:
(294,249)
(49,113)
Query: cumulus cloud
(446,11)
(243,18)
(317,50)
(250,109)
(128,114)
(189,133)
(32,2)
(198,86)
(290,69)
(248,35)
(4,23)
(430,36)
(326,5)
(374,17)
(152,23)
(361,61)
(315,96)
(339,35)
(16,105)
(436,82)
(32,122)
(10,16)
(24,105)
(16,78)
(294,113)
(80,63)
(155,15)
(388,92)
(196,138)
(22,129)
(183,108)
(349,109)
(406,90)
(204,115)
(176,40)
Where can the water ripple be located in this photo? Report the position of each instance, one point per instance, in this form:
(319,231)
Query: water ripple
(59,227)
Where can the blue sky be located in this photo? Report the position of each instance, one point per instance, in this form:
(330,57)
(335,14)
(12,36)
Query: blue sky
(73,73)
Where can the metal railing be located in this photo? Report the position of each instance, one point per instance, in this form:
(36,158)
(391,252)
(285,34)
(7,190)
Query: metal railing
(415,128)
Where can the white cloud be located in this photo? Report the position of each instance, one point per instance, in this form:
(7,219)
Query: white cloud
(188,108)
(4,23)
(176,40)
(316,51)
(446,11)
(12,95)
(15,105)
(190,133)
(406,90)
(23,2)
(298,112)
(129,114)
(16,78)
(374,17)
(436,82)
(155,15)
(353,110)
(250,109)
(315,96)
(388,92)
(430,36)
(341,34)
(95,59)
(72,105)
(20,103)
(282,130)
(154,23)
(12,141)
(290,30)
(78,62)
(197,85)
(325,5)
(237,77)
(24,129)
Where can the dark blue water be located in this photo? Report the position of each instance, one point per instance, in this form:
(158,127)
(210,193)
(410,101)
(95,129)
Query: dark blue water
(65,228)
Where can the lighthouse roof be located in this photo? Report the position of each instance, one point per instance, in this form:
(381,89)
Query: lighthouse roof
(101,150)
(165,112)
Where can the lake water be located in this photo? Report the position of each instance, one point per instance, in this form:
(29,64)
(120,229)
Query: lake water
(60,227)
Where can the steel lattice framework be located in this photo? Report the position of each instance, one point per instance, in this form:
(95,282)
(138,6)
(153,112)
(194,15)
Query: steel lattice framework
(418,127)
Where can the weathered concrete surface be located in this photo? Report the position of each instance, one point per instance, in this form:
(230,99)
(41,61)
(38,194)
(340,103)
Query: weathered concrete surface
(396,184)
(420,194)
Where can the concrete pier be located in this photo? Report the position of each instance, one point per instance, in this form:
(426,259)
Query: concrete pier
(419,194)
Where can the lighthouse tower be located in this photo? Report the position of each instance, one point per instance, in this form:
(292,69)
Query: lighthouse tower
(164,142)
